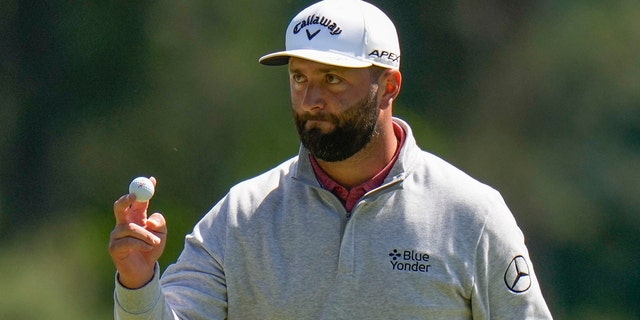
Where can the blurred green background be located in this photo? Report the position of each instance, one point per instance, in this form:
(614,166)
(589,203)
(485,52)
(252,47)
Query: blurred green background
(539,99)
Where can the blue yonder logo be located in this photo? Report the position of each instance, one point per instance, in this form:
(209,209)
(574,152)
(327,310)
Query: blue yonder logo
(409,260)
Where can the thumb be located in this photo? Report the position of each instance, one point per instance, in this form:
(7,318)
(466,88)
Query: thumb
(157,223)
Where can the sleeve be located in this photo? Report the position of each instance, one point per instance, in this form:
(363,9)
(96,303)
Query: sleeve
(143,303)
(505,284)
(195,286)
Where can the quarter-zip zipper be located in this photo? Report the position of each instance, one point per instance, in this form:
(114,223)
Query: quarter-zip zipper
(347,258)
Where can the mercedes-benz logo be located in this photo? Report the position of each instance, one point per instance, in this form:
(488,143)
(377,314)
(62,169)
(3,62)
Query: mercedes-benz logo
(517,276)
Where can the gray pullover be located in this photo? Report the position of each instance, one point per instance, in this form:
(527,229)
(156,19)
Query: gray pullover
(430,243)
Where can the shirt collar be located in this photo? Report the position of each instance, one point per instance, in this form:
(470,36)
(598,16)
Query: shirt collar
(349,197)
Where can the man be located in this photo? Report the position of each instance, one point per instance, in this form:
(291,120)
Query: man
(361,224)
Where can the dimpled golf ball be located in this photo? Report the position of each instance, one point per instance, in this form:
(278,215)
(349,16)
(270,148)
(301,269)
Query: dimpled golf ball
(143,189)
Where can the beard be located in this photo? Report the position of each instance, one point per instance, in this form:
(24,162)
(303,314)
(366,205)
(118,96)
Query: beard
(353,130)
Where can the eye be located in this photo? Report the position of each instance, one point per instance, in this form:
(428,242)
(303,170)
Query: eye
(333,79)
(297,78)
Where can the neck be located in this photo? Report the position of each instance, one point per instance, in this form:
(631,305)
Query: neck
(366,163)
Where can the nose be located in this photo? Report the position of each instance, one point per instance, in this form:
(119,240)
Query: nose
(312,98)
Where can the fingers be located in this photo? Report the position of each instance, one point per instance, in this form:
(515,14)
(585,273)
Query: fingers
(120,208)
(134,236)
(131,236)
(127,210)
(157,224)
(140,208)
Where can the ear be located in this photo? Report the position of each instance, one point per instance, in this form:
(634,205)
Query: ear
(390,82)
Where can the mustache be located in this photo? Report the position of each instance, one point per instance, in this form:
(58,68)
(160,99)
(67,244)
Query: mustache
(304,117)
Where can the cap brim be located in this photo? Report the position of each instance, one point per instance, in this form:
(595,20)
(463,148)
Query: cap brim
(330,58)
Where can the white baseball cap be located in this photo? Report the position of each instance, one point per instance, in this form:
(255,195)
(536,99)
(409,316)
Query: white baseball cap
(345,33)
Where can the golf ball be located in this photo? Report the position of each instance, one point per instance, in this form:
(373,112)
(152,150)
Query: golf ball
(143,188)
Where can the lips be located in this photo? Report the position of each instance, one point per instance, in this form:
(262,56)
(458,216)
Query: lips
(320,121)
(323,125)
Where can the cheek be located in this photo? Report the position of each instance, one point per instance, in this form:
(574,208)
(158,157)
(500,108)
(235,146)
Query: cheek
(296,91)
(296,101)
(295,97)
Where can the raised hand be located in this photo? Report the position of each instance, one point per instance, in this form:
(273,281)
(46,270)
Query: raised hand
(137,241)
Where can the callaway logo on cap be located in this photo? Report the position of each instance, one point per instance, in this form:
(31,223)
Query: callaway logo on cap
(345,33)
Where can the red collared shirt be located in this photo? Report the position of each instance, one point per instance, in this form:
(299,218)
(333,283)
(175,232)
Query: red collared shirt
(349,197)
